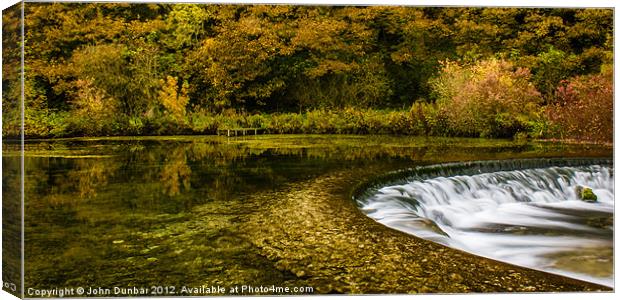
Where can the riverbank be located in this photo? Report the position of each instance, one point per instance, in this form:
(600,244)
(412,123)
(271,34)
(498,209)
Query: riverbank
(425,120)
(576,142)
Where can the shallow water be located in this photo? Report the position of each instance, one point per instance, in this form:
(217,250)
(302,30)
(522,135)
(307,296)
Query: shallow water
(530,217)
(171,210)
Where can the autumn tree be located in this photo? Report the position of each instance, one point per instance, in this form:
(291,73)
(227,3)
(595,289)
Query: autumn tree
(146,62)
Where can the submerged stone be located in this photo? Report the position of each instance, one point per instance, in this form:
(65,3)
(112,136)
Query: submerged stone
(585,194)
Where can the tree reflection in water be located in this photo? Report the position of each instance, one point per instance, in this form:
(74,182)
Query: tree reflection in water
(128,211)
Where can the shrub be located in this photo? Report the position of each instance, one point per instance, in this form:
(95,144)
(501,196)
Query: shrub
(285,123)
(431,119)
(488,99)
(134,126)
(318,121)
(583,108)
(371,122)
(166,124)
(94,112)
(203,123)
(255,121)
(58,123)
(399,123)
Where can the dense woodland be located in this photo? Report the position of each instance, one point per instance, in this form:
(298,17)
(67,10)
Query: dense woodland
(141,69)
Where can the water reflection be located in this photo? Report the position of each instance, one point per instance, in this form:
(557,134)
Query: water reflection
(130,211)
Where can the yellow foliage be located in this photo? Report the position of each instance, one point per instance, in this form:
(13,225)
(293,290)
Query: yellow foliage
(92,101)
(173,101)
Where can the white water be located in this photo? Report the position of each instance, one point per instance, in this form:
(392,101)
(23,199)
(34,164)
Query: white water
(531,217)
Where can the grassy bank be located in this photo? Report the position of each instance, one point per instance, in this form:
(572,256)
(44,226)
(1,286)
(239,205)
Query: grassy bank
(489,99)
(420,120)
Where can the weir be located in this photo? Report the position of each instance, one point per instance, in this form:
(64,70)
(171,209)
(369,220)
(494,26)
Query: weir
(524,212)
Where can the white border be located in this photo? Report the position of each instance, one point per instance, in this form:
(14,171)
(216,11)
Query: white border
(503,3)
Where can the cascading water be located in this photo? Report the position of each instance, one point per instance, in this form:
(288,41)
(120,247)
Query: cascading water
(530,217)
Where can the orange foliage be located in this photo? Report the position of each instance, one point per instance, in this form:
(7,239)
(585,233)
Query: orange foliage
(584,108)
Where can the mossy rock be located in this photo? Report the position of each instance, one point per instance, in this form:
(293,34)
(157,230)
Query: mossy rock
(586,194)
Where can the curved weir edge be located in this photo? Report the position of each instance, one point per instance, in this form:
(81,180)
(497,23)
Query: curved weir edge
(313,230)
(467,168)
(369,187)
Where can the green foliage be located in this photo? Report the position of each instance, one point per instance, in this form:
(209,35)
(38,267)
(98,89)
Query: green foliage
(125,75)
(135,126)
(552,67)
(429,119)
(11,75)
(187,24)
(488,99)
(11,108)
(203,123)
(285,123)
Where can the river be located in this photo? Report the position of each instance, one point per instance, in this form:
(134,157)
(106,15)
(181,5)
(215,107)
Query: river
(194,211)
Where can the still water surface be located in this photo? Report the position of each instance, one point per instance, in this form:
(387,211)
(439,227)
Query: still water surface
(170,210)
